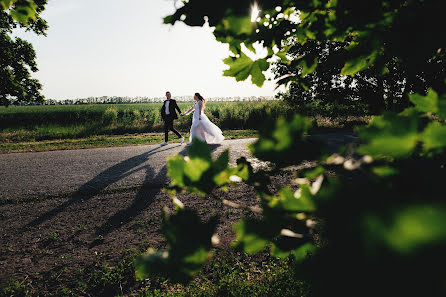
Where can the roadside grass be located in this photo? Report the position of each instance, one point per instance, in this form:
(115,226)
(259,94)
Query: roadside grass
(8,145)
(229,273)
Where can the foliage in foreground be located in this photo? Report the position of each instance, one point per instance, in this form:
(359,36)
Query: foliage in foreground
(374,38)
(382,218)
(377,227)
(17,56)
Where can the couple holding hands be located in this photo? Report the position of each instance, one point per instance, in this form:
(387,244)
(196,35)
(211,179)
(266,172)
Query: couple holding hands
(202,128)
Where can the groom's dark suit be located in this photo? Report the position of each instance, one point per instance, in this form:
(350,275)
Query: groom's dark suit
(169,117)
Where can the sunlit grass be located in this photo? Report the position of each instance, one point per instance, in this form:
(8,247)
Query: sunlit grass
(102,141)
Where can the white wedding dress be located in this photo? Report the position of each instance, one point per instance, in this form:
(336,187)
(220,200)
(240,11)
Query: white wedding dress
(204,129)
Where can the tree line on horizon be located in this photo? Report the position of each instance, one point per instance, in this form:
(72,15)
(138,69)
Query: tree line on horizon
(139,100)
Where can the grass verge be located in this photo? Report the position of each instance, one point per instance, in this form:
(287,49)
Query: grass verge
(7,146)
(230,273)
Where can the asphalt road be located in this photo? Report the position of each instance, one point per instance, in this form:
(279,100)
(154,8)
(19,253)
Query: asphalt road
(55,172)
(93,170)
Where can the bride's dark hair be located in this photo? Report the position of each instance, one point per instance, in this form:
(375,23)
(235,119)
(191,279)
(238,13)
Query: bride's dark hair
(201,98)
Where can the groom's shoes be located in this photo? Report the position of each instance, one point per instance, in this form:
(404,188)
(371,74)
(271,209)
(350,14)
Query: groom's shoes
(164,143)
(182,140)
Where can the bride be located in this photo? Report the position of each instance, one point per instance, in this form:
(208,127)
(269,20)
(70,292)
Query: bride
(202,128)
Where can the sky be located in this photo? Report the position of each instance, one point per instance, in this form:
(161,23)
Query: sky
(121,48)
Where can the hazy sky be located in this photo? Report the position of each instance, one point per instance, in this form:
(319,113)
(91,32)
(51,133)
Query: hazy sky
(121,48)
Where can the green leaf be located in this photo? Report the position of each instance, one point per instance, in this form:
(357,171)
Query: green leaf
(248,238)
(238,67)
(176,165)
(199,149)
(170,19)
(442,107)
(308,65)
(188,251)
(283,142)
(243,169)
(411,228)
(242,67)
(238,24)
(6,4)
(390,146)
(195,168)
(303,251)
(198,173)
(287,200)
(24,11)
(257,76)
(222,161)
(385,171)
(250,46)
(428,103)
(235,47)
(312,174)
(357,64)
(300,253)
(434,136)
(390,135)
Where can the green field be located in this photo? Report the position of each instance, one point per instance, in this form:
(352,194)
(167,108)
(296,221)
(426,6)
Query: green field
(39,128)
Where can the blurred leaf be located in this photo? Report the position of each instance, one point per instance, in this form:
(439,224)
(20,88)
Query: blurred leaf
(356,65)
(238,24)
(287,200)
(283,142)
(313,173)
(442,107)
(411,228)
(428,103)
(390,135)
(170,19)
(243,169)
(189,242)
(176,165)
(199,149)
(385,171)
(195,168)
(24,11)
(308,65)
(198,173)
(6,4)
(362,53)
(302,252)
(434,136)
(248,237)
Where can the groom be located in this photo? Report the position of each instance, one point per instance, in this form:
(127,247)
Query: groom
(169,114)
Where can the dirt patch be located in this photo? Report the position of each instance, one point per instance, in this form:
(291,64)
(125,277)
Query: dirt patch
(56,238)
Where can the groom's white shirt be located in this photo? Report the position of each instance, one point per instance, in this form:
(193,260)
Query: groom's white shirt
(166,104)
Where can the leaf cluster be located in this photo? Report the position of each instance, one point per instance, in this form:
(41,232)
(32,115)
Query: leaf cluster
(370,37)
(17,56)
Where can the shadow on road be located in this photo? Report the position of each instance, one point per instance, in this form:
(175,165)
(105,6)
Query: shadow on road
(110,176)
(101,181)
(140,203)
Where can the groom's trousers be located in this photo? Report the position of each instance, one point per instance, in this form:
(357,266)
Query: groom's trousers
(168,125)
